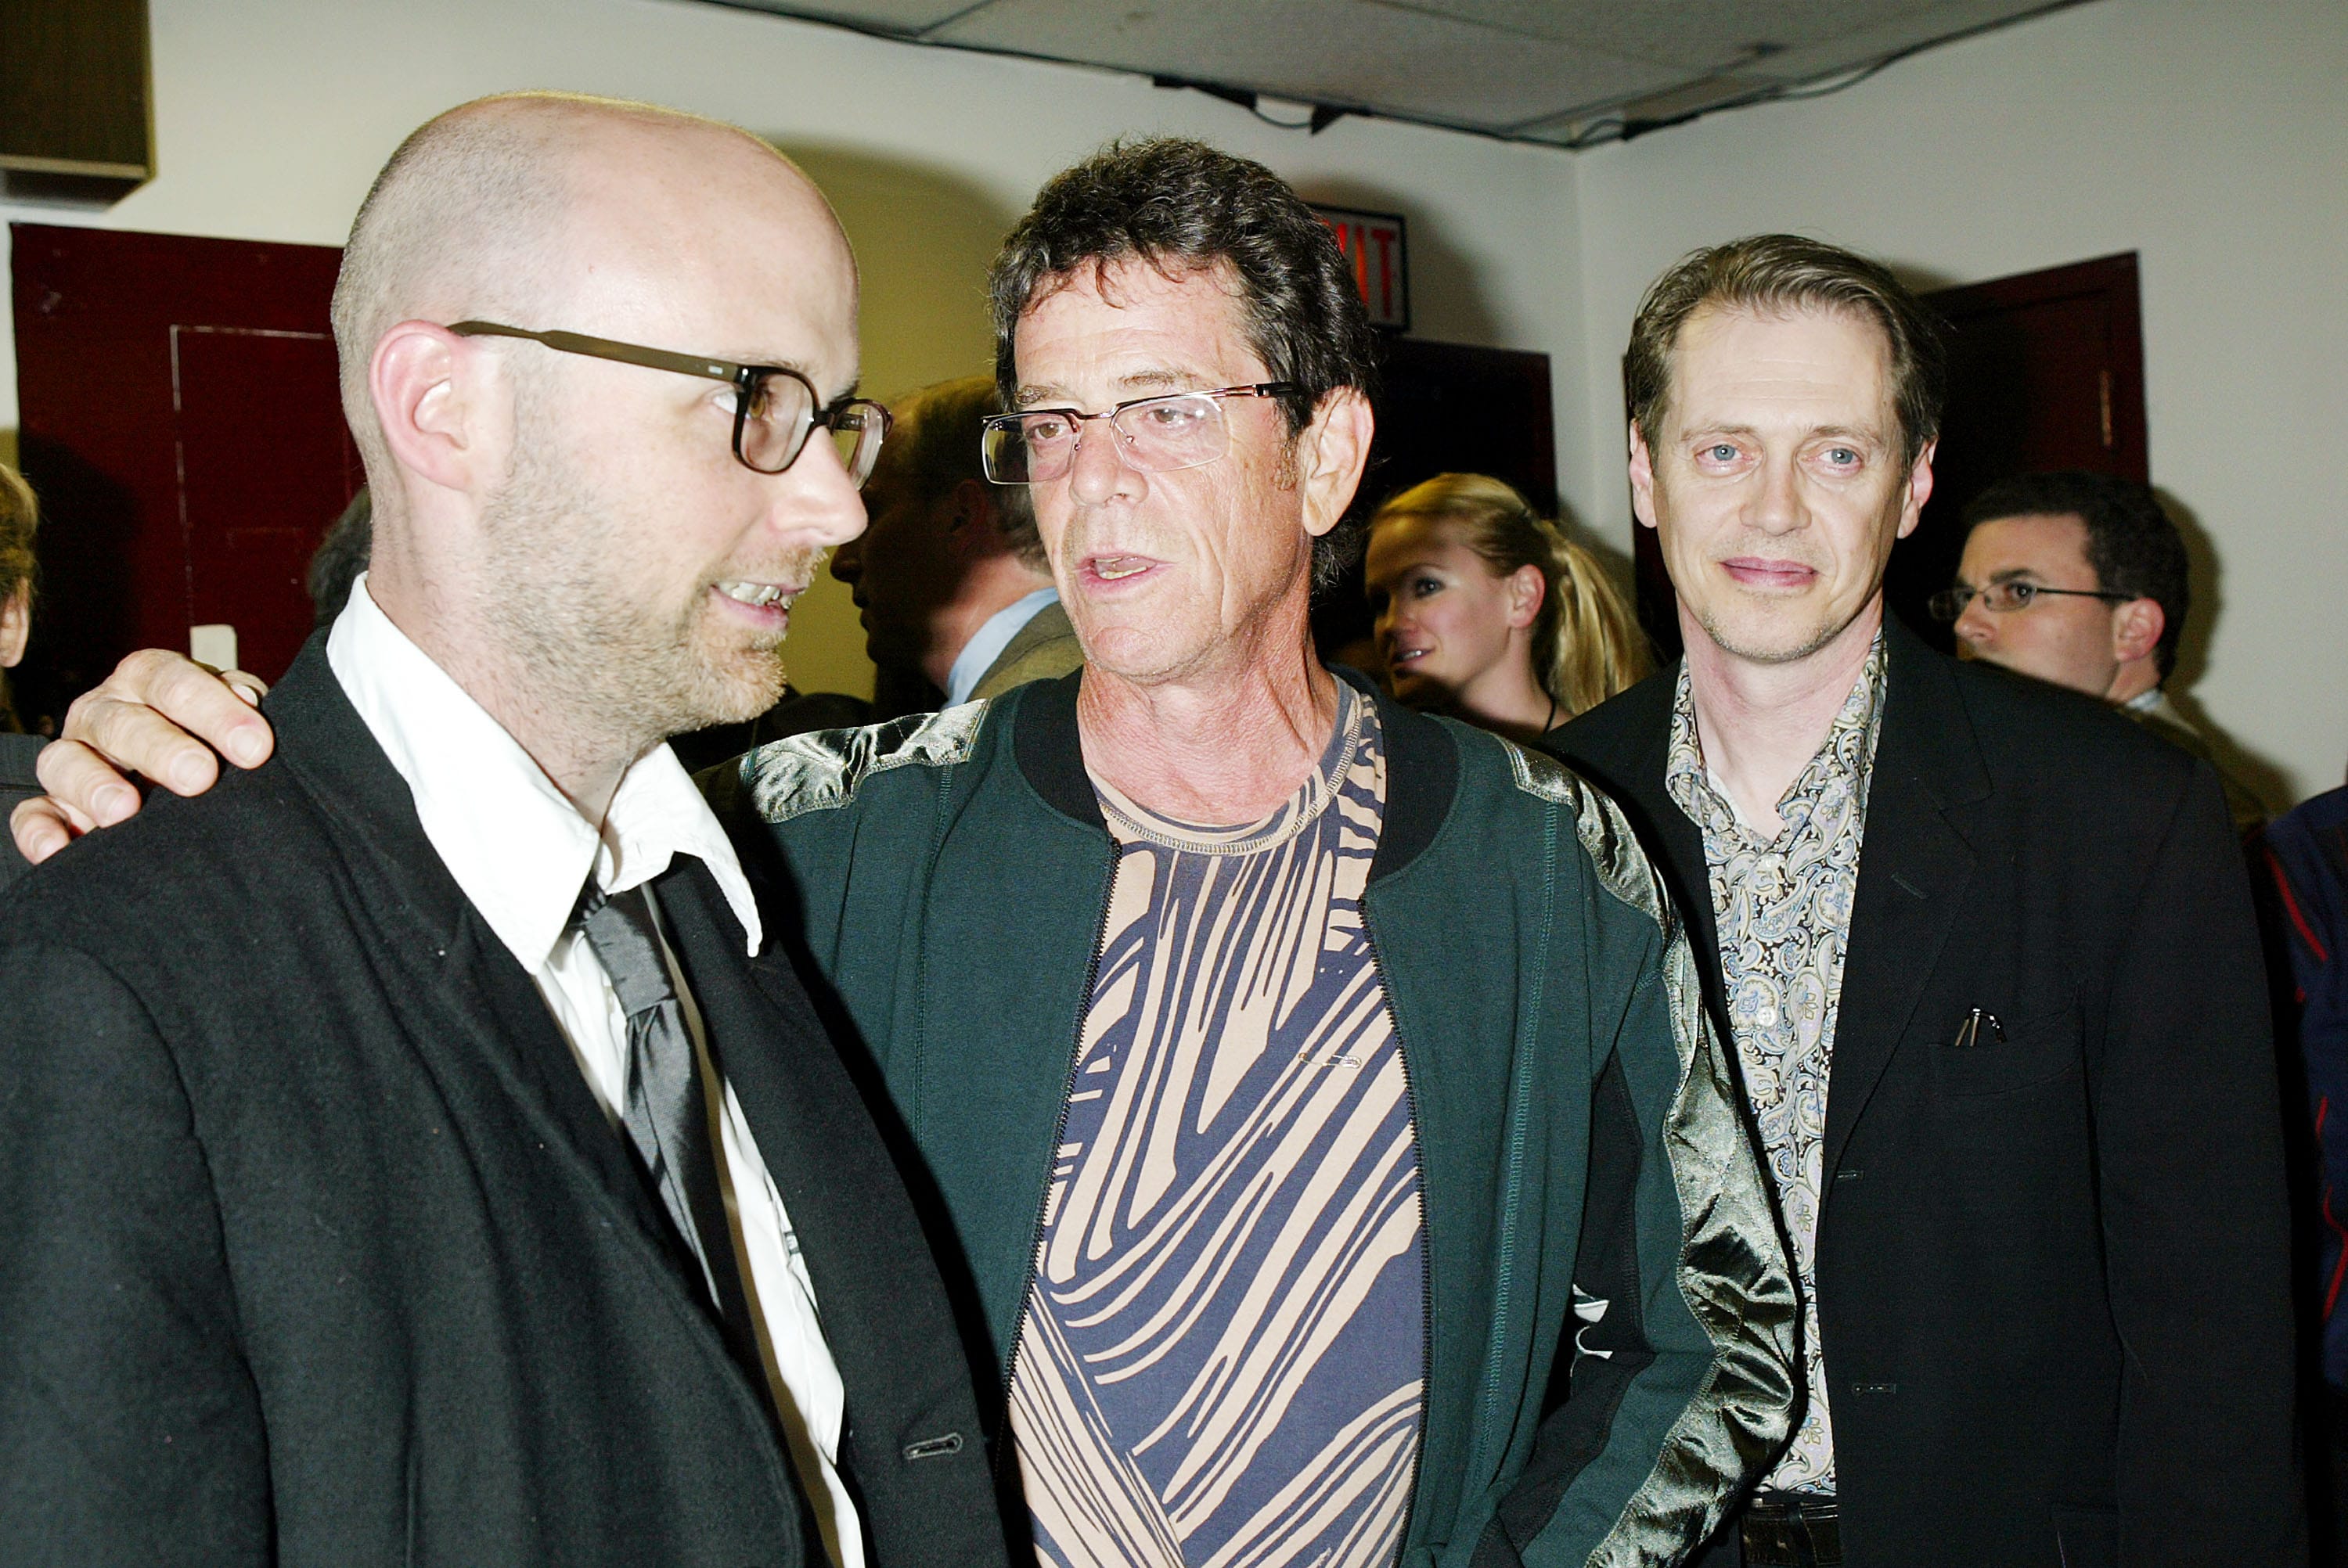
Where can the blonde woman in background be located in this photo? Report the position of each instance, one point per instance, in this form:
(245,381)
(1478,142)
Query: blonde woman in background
(1487,611)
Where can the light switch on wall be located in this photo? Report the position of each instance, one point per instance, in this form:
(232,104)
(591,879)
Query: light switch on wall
(214,645)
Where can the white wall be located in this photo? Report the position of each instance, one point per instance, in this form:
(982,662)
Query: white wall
(2212,139)
(272,115)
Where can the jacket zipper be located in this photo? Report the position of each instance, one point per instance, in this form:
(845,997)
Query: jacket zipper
(1426,1241)
(1051,1161)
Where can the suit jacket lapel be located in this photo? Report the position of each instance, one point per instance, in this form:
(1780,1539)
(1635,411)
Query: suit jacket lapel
(1681,844)
(1633,775)
(914,1444)
(538,1067)
(485,1012)
(1913,864)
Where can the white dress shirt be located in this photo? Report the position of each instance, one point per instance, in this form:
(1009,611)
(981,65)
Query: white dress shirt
(521,853)
(994,634)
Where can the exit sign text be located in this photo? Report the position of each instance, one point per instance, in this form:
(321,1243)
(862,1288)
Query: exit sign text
(1374,244)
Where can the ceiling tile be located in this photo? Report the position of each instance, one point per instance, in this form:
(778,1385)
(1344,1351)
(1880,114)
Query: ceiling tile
(1537,69)
(907,17)
(1783,39)
(1345,52)
(1912,27)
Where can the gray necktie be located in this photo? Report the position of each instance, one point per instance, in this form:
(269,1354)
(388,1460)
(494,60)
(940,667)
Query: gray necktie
(667,1112)
(667,1120)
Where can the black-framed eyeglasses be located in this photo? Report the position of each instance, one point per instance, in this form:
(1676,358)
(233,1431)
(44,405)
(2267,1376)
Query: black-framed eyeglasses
(2001,597)
(1157,435)
(774,407)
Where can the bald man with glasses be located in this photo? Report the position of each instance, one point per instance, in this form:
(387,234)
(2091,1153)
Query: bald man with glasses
(419,1149)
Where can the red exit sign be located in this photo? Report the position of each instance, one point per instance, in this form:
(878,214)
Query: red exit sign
(1374,243)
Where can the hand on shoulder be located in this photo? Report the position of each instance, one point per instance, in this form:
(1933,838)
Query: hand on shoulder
(159,716)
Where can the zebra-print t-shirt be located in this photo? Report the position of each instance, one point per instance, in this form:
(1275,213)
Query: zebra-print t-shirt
(1224,1354)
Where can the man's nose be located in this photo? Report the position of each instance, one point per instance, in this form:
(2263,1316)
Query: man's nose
(1099,470)
(847,561)
(814,499)
(1976,626)
(1776,506)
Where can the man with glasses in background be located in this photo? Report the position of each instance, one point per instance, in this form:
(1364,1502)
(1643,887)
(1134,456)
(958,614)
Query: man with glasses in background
(1318,1094)
(400,1158)
(2080,579)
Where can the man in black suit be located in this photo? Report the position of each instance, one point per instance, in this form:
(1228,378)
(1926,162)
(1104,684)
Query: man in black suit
(1986,952)
(400,1160)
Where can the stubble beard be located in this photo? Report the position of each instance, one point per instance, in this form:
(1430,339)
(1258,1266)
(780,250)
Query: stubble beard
(555,597)
(1741,644)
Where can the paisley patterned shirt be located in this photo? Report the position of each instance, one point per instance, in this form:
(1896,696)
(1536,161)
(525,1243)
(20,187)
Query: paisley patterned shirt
(1223,1357)
(1783,909)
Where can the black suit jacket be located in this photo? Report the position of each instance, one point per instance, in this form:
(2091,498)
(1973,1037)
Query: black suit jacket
(18,784)
(2051,1268)
(316,1247)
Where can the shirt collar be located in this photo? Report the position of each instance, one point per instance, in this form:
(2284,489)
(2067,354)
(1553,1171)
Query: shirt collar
(515,847)
(1847,755)
(979,654)
(2151,700)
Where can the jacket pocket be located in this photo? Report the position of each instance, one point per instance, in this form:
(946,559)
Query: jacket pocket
(2087,1537)
(2033,1051)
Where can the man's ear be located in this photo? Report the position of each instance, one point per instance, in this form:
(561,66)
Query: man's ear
(1643,477)
(2136,627)
(1527,588)
(1919,488)
(15,625)
(1331,454)
(973,520)
(426,385)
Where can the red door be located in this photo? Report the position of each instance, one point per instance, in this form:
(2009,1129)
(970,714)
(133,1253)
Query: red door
(2045,372)
(182,422)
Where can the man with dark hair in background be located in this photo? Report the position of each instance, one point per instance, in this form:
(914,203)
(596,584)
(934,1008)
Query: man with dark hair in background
(948,574)
(1320,1094)
(1987,956)
(2080,579)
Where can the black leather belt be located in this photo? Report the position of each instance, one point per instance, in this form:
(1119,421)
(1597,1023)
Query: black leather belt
(1791,1530)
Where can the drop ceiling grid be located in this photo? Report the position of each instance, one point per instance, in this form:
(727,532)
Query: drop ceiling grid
(1532,69)
(1324,51)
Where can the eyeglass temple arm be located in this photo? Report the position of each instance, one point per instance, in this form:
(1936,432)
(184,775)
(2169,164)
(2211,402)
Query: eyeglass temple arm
(605,348)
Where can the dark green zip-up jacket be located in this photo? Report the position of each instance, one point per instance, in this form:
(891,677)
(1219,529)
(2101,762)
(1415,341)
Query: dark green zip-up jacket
(1576,1134)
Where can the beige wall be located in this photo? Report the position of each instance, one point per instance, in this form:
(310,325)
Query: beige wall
(2209,138)
(2212,139)
(273,115)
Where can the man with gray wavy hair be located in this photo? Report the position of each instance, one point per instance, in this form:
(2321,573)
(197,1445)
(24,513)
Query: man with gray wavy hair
(1318,1095)
(1285,1231)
